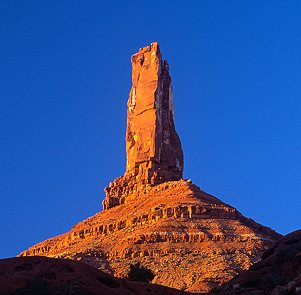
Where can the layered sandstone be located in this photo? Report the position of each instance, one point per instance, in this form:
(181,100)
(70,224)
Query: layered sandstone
(188,238)
(153,148)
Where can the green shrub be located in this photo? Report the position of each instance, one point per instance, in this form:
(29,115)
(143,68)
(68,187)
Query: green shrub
(140,273)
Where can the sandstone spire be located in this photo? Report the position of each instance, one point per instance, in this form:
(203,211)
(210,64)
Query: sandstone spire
(165,223)
(153,148)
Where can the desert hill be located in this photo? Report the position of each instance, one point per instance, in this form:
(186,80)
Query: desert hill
(174,229)
(278,272)
(49,276)
(190,240)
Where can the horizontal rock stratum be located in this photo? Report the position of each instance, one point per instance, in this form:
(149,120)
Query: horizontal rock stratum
(188,238)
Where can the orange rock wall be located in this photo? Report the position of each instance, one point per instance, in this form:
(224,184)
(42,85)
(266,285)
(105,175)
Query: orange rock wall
(153,148)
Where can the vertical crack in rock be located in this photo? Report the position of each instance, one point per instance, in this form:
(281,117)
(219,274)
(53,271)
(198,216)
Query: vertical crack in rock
(153,147)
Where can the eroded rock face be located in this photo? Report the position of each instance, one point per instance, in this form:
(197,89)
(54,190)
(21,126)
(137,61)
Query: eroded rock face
(153,148)
(190,240)
(278,271)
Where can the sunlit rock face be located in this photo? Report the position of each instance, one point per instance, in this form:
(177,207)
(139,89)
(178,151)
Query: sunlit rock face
(189,239)
(153,148)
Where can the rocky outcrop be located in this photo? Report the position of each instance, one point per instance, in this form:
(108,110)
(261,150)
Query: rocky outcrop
(175,229)
(189,239)
(278,272)
(153,148)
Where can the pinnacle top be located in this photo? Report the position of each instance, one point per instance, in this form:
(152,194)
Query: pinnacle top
(154,47)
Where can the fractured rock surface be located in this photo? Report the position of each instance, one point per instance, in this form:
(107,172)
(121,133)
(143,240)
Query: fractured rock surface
(153,148)
(278,271)
(188,238)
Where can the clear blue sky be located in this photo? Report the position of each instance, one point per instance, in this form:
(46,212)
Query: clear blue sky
(65,75)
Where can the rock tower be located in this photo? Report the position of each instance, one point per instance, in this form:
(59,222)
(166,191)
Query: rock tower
(189,239)
(153,148)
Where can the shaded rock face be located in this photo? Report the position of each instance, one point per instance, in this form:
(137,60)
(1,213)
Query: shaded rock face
(153,148)
(49,276)
(278,271)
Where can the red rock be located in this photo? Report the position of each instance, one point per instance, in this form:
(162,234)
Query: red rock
(188,238)
(278,272)
(153,148)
